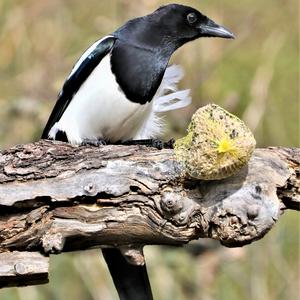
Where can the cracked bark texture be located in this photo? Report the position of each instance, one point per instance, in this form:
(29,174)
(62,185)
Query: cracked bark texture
(56,197)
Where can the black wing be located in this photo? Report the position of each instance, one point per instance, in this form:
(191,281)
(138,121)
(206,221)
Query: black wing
(78,76)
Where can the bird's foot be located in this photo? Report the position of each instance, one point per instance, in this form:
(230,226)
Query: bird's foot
(155,143)
(93,142)
(169,144)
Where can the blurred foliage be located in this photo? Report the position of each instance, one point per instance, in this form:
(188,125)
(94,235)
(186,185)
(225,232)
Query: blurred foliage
(255,76)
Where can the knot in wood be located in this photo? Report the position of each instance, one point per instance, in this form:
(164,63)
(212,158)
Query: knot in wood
(20,268)
(53,242)
(253,211)
(182,218)
(89,188)
(134,256)
(171,203)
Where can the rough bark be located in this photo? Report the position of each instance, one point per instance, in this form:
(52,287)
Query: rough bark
(19,268)
(56,197)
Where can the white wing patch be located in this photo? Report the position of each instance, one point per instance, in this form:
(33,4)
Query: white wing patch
(86,54)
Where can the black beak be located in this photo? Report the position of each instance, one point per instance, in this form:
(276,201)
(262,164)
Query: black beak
(211,29)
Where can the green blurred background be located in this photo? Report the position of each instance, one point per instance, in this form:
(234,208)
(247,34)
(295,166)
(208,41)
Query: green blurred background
(255,76)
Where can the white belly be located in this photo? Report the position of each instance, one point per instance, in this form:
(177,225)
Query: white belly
(101,110)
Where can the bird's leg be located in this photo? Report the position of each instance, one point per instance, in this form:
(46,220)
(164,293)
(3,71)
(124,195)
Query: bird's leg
(93,142)
(156,143)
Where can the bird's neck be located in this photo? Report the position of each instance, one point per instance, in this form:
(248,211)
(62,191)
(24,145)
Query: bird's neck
(141,34)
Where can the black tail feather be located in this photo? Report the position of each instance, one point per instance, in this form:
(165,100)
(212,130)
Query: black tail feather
(131,282)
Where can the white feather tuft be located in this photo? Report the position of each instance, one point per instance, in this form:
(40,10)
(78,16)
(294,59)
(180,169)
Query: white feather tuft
(152,127)
(172,101)
(167,98)
(172,76)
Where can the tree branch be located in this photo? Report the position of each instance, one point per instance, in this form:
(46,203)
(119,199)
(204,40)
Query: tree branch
(19,268)
(57,197)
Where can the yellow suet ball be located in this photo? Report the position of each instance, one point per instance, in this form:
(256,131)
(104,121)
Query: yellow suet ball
(217,145)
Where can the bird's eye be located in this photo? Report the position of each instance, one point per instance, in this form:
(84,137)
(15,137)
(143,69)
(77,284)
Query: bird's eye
(192,18)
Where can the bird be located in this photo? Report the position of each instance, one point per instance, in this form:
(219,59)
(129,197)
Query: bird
(116,92)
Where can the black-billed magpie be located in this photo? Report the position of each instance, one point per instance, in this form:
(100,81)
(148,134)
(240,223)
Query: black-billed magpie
(115,92)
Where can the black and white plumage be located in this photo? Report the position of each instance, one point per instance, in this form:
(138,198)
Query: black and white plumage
(115,92)
(96,107)
(118,86)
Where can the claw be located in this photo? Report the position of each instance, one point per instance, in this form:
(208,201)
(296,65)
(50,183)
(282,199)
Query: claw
(156,143)
(93,142)
(169,144)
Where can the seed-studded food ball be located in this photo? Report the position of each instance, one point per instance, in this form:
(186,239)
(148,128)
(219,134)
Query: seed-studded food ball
(217,145)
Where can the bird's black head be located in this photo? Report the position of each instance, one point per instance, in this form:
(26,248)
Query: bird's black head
(172,25)
(143,47)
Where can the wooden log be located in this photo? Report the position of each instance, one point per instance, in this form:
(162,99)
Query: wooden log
(57,197)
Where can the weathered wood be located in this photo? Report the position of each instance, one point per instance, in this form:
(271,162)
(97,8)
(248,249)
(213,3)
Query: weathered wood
(56,197)
(23,268)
